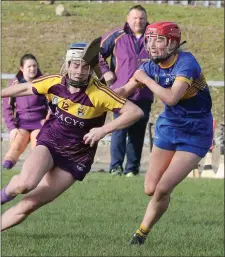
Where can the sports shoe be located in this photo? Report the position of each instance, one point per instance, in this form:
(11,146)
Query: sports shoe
(116,171)
(130,174)
(137,240)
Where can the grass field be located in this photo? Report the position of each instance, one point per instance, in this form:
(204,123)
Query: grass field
(28,26)
(98,216)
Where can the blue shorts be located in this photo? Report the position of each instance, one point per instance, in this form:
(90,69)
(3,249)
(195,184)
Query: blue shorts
(192,135)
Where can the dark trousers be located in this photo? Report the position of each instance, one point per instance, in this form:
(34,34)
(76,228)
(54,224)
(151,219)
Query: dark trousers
(129,142)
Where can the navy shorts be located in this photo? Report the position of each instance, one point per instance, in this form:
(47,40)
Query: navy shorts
(192,135)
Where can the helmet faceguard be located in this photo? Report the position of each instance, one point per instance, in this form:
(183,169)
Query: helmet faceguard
(162,34)
(74,55)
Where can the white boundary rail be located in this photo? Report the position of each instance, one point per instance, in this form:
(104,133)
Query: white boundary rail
(210,83)
(217,4)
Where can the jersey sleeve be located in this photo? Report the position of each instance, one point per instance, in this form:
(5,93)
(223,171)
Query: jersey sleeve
(9,109)
(106,99)
(107,47)
(146,67)
(42,85)
(188,70)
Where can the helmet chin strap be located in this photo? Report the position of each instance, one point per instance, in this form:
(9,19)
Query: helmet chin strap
(164,58)
(76,84)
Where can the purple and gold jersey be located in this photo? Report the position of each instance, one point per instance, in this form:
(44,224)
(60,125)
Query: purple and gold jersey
(197,99)
(73,116)
(79,112)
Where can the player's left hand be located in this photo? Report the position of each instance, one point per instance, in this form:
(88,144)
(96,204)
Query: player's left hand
(141,76)
(94,136)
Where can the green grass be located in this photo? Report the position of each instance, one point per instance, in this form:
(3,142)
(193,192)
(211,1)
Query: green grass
(98,216)
(28,26)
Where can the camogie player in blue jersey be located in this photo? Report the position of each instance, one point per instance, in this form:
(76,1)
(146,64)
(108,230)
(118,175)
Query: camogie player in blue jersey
(184,130)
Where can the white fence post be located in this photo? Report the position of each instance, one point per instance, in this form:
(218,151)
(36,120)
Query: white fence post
(218,4)
(184,2)
(206,3)
(170,2)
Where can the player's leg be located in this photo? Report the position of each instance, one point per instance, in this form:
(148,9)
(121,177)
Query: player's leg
(16,148)
(158,163)
(37,164)
(53,184)
(180,166)
(33,138)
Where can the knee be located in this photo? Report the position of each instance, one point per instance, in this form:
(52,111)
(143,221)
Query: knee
(162,191)
(24,186)
(150,189)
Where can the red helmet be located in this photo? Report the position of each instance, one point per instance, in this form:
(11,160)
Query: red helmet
(167,29)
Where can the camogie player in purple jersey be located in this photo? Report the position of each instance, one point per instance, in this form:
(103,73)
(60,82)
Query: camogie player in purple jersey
(67,142)
(184,130)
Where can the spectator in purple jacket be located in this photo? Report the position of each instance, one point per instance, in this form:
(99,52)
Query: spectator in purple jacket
(25,115)
(126,48)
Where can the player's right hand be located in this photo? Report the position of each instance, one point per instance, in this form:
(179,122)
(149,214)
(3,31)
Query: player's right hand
(94,136)
(109,77)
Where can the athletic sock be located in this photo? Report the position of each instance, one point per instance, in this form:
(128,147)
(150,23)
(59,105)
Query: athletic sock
(143,231)
(8,164)
(4,197)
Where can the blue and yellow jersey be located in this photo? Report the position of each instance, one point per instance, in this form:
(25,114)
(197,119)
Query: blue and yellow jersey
(75,114)
(197,99)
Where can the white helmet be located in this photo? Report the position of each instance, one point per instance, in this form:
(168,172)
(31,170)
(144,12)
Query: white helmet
(74,52)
